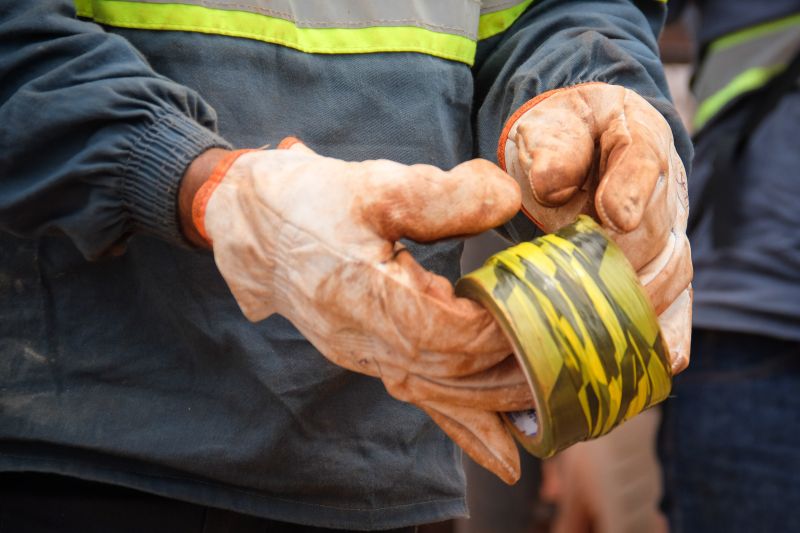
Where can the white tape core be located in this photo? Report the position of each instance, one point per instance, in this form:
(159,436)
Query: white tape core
(525,421)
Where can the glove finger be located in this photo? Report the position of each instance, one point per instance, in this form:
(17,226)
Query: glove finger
(409,317)
(424,203)
(482,435)
(634,156)
(653,232)
(457,336)
(500,388)
(676,327)
(668,275)
(543,140)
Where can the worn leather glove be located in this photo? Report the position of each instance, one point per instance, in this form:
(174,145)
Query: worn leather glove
(315,239)
(603,150)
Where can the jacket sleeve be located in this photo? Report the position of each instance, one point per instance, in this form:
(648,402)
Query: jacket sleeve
(559,43)
(93,142)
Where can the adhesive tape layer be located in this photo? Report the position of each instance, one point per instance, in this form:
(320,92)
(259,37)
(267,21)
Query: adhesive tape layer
(583,330)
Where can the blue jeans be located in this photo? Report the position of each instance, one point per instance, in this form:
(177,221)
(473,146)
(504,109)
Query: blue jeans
(730,436)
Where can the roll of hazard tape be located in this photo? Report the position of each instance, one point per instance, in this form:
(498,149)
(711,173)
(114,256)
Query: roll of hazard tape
(583,331)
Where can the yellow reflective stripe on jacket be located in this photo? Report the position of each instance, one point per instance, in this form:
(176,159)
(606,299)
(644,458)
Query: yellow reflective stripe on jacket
(741,62)
(458,17)
(392,26)
(83,8)
(753,33)
(747,81)
(262,27)
(497,19)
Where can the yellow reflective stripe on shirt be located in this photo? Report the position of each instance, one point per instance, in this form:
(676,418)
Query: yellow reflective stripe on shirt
(499,21)
(83,8)
(752,33)
(748,80)
(261,27)
(741,62)
(457,17)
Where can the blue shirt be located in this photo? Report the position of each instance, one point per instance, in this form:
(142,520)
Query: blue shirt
(753,285)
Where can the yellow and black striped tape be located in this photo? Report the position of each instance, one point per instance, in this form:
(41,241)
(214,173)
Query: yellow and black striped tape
(583,331)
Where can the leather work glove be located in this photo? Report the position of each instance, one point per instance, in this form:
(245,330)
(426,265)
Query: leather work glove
(604,151)
(315,239)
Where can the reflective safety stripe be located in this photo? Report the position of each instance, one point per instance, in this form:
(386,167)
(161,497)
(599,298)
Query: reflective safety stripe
(497,16)
(742,62)
(458,17)
(443,28)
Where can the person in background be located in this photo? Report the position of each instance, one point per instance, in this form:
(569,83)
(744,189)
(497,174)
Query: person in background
(731,429)
(730,436)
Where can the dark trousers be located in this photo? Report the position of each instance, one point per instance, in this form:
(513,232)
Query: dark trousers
(43,503)
(730,436)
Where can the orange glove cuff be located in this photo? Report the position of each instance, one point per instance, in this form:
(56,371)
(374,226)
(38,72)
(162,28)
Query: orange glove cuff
(200,200)
(203,194)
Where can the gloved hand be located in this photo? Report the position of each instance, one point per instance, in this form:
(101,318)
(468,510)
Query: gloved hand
(315,239)
(604,151)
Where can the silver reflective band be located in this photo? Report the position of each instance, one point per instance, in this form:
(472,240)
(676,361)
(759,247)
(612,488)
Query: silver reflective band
(455,17)
(491,6)
(735,66)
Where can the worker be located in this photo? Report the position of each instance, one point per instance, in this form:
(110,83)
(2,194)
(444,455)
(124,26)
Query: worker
(210,334)
(730,433)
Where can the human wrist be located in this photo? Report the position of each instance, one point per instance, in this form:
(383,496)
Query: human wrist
(197,173)
(153,170)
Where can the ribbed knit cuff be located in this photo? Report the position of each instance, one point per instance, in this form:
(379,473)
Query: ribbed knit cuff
(154,170)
